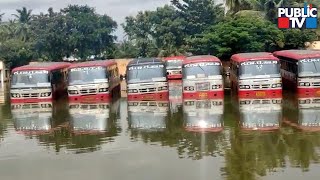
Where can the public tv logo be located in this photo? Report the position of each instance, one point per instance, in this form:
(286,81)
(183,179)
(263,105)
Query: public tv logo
(298,18)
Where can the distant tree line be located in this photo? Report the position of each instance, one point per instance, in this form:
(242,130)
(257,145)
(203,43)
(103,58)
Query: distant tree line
(182,27)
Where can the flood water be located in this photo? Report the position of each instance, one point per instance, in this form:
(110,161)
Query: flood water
(247,139)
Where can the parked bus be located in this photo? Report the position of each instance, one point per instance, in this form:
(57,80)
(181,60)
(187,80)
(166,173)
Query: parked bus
(90,118)
(174,66)
(260,114)
(256,75)
(202,77)
(93,80)
(146,80)
(147,115)
(175,94)
(203,115)
(303,113)
(39,82)
(32,118)
(301,71)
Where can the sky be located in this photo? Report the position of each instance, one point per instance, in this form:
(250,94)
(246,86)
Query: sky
(117,9)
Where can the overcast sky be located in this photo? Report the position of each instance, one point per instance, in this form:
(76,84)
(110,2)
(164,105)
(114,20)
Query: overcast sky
(117,9)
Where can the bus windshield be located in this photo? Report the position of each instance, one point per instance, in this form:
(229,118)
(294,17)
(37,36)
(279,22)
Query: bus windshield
(30,78)
(146,73)
(174,64)
(258,68)
(87,75)
(204,69)
(309,67)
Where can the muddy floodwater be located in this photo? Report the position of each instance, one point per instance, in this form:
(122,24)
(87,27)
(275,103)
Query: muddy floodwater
(218,139)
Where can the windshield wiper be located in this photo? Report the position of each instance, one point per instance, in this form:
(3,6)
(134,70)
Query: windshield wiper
(314,63)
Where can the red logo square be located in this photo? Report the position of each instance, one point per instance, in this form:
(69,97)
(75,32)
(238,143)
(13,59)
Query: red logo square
(283,22)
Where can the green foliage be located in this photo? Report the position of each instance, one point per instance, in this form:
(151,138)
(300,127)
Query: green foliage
(238,35)
(295,38)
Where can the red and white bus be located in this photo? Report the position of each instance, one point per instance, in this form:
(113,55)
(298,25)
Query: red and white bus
(202,77)
(260,114)
(174,66)
(203,115)
(147,80)
(39,82)
(300,71)
(255,75)
(93,80)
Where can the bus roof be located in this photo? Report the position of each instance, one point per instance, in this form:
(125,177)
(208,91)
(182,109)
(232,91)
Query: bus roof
(93,63)
(174,58)
(202,58)
(49,66)
(142,61)
(298,54)
(242,57)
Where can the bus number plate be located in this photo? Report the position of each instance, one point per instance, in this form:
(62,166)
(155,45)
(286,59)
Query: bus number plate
(260,94)
(149,97)
(203,95)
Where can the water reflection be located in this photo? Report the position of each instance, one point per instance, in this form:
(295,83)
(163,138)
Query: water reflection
(175,95)
(260,114)
(203,115)
(147,115)
(32,118)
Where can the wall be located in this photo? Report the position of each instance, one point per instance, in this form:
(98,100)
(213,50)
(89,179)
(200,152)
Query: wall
(122,65)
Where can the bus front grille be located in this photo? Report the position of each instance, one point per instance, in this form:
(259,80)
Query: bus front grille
(30,95)
(88,91)
(144,90)
(258,86)
(316,84)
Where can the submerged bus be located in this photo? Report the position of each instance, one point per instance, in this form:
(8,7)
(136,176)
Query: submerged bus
(32,118)
(147,115)
(256,75)
(203,115)
(93,80)
(301,71)
(39,82)
(260,114)
(174,66)
(303,113)
(89,118)
(202,78)
(146,80)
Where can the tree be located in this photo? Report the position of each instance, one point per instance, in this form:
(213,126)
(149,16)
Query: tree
(198,14)
(23,15)
(1,14)
(238,35)
(295,38)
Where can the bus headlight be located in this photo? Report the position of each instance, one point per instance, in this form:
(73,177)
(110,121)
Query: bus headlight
(46,94)
(244,86)
(73,92)
(15,95)
(189,103)
(103,90)
(276,85)
(132,91)
(162,88)
(188,88)
(304,84)
(216,86)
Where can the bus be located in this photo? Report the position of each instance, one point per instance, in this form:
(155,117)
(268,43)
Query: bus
(259,114)
(32,118)
(148,115)
(203,115)
(174,66)
(93,80)
(255,75)
(300,71)
(175,95)
(147,80)
(202,77)
(39,82)
(303,113)
(89,118)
